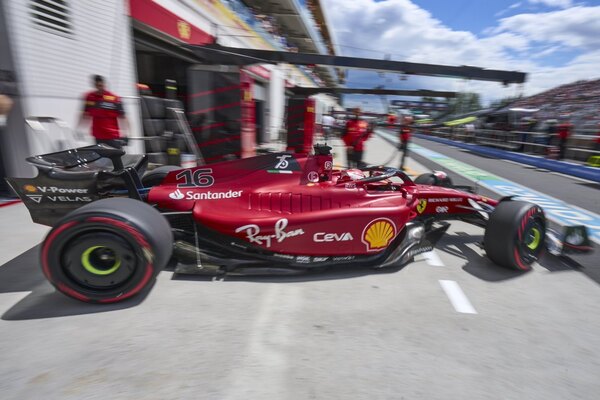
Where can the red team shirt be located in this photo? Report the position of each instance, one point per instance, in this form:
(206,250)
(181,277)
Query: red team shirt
(104,108)
(564,130)
(404,134)
(357,133)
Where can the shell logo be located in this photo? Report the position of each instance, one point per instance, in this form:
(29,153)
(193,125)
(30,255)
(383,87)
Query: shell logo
(378,234)
(30,188)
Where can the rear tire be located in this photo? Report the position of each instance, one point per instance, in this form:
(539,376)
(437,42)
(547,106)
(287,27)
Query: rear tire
(515,233)
(157,175)
(107,251)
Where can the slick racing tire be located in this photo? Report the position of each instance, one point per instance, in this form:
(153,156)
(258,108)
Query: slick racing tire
(515,234)
(437,178)
(153,107)
(157,175)
(107,251)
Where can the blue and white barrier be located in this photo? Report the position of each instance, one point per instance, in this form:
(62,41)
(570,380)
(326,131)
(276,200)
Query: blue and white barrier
(567,168)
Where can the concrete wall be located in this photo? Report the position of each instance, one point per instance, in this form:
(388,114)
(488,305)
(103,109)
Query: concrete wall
(55,68)
(13,139)
(276,102)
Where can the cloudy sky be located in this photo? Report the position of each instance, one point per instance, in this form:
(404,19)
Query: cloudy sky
(554,41)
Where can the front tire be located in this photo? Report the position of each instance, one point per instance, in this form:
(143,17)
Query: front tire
(107,251)
(515,234)
(437,178)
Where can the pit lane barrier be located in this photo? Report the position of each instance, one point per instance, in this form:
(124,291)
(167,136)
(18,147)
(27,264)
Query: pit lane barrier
(561,214)
(580,147)
(567,168)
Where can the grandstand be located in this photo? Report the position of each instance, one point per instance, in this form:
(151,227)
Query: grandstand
(578,101)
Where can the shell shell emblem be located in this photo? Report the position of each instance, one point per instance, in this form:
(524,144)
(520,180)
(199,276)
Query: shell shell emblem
(30,188)
(422,205)
(378,234)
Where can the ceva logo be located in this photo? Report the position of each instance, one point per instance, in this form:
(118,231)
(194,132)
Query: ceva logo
(332,237)
(176,195)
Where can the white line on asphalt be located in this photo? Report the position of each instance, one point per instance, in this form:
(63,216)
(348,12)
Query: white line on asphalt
(9,300)
(457,297)
(432,258)
(518,163)
(264,365)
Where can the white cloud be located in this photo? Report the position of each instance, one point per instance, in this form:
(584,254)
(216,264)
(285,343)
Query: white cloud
(520,42)
(574,27)
(553,3)
(546,51)
(507,9)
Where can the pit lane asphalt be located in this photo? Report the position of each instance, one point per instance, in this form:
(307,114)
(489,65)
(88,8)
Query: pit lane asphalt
(584,194)
(350,334)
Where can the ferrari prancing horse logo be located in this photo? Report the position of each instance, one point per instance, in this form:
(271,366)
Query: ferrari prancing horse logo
(184,29)
(421,206)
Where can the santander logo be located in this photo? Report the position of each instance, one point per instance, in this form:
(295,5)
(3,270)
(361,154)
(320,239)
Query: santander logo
(176,195)
(190,195)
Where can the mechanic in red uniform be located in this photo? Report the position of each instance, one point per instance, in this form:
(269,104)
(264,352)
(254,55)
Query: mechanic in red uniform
(105,110)
(598,139)
(404,134)
(391,120)
(564,131)
(356,133)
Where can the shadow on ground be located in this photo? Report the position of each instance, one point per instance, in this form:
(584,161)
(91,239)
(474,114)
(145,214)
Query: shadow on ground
(462,245)
(590,185)
(477,264)
(23,274)
(331,273)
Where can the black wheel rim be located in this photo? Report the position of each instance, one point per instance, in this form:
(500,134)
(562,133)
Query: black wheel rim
(99,259)
(532,240)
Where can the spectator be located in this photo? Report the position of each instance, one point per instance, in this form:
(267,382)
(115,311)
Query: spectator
(470,132)
(391,120)
(598,138)
(5,106)
(328,124)
(404,138)
(564,131)
(356,133)
(7,87)
(551,131)
(105,110)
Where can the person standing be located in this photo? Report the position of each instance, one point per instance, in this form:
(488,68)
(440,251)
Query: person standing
(7,87)
(105,110)
(391,120)
(356,133)
(404,134)
(328,123)
(5,106)
(598,138)
(564,131)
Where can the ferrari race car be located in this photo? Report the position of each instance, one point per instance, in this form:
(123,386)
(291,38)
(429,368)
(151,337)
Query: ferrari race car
(115,226)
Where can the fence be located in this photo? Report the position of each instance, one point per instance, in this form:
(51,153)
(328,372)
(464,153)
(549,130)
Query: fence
(579,147)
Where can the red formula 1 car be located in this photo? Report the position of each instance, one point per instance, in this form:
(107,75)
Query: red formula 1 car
(112,231)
